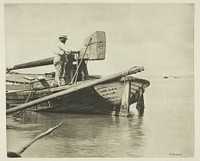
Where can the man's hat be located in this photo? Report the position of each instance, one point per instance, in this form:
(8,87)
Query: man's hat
(63,36)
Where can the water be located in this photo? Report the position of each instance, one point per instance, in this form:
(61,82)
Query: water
(165,130)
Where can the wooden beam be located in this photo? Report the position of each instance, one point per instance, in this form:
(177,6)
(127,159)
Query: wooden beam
(125,105)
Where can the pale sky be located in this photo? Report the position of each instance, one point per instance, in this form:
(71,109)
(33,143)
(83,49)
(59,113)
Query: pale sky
(156,36)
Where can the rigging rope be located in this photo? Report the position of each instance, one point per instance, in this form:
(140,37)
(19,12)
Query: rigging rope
(76,73)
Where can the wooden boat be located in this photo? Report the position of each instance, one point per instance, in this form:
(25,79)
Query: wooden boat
(79,92)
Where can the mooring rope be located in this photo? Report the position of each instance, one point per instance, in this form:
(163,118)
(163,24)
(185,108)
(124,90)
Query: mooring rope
(29,96)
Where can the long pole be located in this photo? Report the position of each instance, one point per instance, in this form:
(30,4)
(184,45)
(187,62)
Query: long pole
(38,137)
(17,154)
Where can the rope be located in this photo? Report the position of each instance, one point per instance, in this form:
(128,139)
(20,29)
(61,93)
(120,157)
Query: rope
(80,62)
(29,96)
(76,68)
(21,112)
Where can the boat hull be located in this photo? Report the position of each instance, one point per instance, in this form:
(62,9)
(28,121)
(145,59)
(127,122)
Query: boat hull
(104,98)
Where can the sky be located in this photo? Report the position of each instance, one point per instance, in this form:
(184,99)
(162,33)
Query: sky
(159,37)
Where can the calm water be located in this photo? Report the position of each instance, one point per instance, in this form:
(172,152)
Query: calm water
(165,130)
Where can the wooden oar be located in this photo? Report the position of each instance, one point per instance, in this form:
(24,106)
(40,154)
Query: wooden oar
(133,70)
(17,154)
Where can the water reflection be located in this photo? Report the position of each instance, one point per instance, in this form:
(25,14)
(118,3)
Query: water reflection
(84,135)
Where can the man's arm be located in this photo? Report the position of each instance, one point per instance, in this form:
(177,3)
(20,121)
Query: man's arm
(64,49)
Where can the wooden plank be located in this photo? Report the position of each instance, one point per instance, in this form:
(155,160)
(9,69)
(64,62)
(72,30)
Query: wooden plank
(40,78)
(14,87)
(125,104)
(97,47)
(98,36)
(29,78)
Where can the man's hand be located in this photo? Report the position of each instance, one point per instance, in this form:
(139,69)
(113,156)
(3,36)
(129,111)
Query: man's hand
(75,52)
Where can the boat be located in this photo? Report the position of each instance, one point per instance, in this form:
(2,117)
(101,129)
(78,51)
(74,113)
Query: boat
(79,92)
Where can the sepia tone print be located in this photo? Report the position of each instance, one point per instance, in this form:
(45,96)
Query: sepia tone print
(88,80)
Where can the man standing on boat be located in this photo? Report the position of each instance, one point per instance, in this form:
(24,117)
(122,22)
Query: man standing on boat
(60,59)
